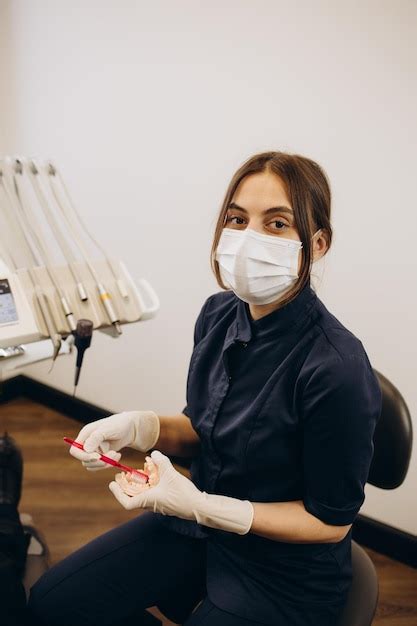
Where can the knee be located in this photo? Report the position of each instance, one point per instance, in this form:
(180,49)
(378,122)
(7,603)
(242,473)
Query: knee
(48,606)
(41,606)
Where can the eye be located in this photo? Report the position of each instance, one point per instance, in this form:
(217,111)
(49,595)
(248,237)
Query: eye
(230,219)
(282,224)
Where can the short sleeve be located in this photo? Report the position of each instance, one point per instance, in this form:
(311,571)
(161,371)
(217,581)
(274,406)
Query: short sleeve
(342,403)
(198,335)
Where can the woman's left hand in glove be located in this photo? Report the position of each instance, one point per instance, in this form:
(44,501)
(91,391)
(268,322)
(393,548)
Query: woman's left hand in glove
(177,495)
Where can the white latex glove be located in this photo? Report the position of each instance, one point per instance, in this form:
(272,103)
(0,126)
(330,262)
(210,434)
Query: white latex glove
(134,429)
(176,495)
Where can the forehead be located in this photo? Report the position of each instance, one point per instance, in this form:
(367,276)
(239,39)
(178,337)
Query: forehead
(261,191)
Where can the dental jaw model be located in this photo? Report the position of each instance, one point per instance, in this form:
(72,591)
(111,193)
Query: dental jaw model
(132,485)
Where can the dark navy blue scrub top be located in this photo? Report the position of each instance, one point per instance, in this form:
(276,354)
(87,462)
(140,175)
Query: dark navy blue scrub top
(285,407)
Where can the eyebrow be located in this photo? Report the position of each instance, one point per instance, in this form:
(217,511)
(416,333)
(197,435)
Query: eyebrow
(273,209)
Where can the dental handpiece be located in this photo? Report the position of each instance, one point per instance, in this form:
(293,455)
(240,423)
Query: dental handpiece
(83,334)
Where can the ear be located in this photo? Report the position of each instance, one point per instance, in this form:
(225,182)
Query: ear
(320,245)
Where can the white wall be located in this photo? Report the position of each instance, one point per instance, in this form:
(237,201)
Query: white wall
(149,108)
(7,116)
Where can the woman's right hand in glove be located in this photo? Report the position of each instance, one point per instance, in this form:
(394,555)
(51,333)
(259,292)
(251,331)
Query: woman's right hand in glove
(133,429)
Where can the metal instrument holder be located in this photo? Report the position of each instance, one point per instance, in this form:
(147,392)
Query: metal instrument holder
(104,291)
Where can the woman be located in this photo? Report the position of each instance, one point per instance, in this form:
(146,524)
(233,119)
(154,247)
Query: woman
(282,404)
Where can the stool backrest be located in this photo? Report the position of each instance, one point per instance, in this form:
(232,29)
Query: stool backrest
(393,439)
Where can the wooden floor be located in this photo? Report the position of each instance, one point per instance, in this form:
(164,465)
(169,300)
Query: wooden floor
(72,506)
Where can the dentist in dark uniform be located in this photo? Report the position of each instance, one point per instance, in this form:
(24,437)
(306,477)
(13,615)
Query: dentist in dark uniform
(282,404)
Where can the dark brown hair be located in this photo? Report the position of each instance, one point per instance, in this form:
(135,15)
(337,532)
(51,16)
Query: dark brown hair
(308,190)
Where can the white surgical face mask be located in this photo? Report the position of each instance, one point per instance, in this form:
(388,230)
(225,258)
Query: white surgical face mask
(257,267)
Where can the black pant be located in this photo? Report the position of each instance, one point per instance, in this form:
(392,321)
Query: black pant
(112,579)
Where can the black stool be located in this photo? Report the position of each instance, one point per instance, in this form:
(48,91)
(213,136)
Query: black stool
(393,439)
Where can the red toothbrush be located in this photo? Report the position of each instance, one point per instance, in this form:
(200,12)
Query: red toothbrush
(110,461)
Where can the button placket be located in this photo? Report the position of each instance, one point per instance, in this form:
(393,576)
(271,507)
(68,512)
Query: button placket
(216,466)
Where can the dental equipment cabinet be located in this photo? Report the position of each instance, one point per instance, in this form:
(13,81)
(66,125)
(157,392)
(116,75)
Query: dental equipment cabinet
(53,292)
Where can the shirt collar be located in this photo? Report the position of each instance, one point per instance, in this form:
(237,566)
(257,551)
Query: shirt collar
(283,320)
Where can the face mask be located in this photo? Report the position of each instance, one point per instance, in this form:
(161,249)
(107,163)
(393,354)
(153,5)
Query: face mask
(257,267)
